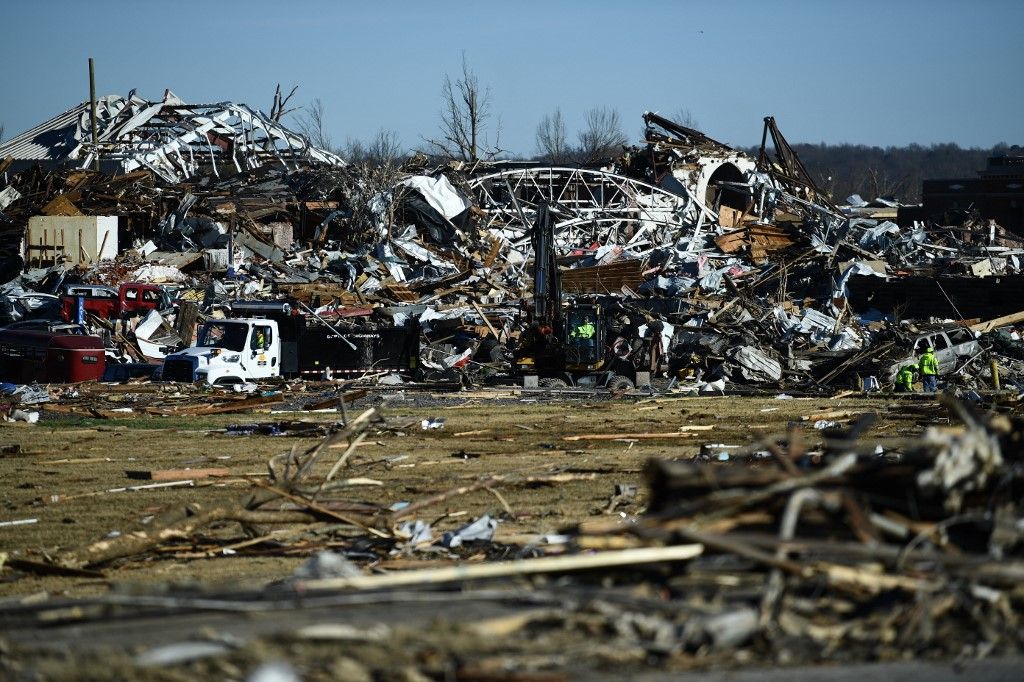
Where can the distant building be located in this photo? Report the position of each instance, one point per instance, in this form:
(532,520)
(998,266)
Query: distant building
(175,140)
(997,193)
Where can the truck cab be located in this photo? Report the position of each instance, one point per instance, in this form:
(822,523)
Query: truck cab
(228,351)
(271,338)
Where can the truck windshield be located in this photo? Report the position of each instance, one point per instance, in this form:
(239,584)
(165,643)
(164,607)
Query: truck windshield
(227,335)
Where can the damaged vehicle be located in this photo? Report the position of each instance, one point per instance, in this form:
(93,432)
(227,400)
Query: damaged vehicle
(953,347)
(108,303)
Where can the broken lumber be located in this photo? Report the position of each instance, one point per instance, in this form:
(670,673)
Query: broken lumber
(222,408)
(176,474)
(996,323)
(683,432)
(332,401)
(554,564)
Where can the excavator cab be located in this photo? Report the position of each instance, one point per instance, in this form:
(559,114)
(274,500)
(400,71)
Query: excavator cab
(584,338)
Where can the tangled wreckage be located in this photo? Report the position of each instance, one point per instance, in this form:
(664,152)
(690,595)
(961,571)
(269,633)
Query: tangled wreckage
(761,279)
(169,247)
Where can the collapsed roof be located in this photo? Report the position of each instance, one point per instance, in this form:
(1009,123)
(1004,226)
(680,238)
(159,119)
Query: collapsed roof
(174,139)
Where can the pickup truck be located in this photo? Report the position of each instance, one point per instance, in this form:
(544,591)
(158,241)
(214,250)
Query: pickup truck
(952,345)
(131,298)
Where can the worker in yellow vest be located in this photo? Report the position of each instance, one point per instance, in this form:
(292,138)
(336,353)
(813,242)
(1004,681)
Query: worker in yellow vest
(929,368)
(905,380)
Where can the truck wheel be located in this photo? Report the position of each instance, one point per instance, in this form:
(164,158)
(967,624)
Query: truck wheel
(552,383)
(619,383)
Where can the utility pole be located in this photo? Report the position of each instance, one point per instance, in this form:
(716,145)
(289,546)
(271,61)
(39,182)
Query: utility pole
(92,115)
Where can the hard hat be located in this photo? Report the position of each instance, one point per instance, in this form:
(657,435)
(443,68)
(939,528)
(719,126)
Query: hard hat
(929,349)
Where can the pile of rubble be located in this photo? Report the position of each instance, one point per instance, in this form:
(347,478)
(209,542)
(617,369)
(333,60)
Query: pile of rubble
(752,274)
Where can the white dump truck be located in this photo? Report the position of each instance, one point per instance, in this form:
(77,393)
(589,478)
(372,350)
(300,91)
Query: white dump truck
(271,338)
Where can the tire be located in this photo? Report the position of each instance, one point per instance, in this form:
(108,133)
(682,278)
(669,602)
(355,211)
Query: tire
(553,383)
(620,383)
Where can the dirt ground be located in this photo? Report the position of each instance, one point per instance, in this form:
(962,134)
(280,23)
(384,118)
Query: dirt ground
(65,473)
(79,459)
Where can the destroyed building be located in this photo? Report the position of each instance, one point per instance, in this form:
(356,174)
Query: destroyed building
(764,279)
(996,195)
(217,263)
(175,140)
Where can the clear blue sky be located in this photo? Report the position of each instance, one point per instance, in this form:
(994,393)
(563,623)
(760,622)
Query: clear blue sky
(871,72)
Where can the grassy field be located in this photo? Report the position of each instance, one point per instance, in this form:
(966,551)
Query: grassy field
(66,472)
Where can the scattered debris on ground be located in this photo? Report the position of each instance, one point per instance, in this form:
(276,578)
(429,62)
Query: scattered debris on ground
(203,277)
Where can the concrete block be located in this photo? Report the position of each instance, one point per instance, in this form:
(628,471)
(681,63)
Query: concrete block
(531,381)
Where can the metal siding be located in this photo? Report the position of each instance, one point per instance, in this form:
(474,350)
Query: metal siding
(60,129)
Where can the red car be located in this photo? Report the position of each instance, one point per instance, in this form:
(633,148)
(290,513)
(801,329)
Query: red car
(131,298)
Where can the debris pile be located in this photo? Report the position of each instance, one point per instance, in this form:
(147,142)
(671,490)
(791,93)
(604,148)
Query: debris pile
(760,278)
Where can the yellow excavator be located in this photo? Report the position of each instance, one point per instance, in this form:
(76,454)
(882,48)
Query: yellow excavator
(562,345)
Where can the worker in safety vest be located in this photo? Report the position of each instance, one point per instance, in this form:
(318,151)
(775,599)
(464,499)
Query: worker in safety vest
(585,330)
(929,368)
(905,380)
(586,338)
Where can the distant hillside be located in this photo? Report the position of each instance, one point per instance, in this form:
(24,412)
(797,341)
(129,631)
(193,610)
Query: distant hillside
(847,169)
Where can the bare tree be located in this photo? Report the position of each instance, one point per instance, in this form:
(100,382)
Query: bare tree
(385,149)
(464,113)
(603,136)
(684,117)
(278,108)
(311,124)
(354,150)
(882,184)
(552,142)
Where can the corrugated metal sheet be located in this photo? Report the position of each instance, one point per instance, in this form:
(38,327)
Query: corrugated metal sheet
(48,141)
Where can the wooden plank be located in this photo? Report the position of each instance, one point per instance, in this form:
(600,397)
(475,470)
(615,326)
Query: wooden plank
(486,321)
(224,408)
(1003,321)
(185,324)
(493,253)
(684,432)
(60,205)
(603,278)
(331,402)
(402,293)
(555,564)
(829,415)
(176,474)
